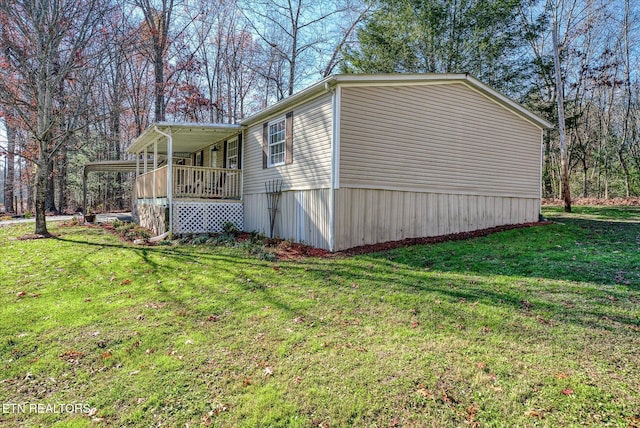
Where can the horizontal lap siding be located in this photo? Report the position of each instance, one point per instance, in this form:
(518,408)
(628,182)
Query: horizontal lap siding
(368,216)
(444,138)
(311,167)
(303,216)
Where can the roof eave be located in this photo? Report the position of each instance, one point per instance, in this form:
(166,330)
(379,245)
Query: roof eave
(150,134)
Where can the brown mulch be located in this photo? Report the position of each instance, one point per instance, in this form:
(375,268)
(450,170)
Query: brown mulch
(286,250)
(633,202)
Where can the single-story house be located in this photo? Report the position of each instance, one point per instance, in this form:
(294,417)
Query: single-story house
(361,159)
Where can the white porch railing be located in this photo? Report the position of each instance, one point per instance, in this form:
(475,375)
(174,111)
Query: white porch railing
(191,182)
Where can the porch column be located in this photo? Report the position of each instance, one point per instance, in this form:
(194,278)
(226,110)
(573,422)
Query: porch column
(155,154)
(144,160)
(155,166)
(169,175)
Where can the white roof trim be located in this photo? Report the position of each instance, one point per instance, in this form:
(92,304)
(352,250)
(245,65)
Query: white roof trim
(151,134)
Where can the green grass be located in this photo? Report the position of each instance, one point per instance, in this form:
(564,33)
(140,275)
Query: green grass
(529,327)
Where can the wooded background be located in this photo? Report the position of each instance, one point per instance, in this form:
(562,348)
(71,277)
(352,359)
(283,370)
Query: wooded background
(80,79)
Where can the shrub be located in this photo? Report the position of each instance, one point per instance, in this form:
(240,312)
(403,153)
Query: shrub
(230,229)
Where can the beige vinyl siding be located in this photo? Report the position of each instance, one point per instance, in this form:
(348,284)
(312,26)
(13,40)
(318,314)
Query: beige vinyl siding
(444,138)
(311,167)
(219,154)
(303,216)
(368,216)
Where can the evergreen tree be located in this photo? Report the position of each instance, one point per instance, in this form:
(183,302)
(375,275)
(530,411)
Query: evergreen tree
(483,38)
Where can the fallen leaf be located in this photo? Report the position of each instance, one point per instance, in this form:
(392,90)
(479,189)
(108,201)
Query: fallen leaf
(562,376)
(126,282)
(21,294)
(268,371)
(481,365)
(415,324)
(495,388)
(106,355)
(426,393)
(567,391)
(533,414)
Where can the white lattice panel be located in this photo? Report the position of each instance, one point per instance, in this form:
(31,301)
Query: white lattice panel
(203,217)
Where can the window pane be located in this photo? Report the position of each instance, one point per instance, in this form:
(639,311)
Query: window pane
(276,142)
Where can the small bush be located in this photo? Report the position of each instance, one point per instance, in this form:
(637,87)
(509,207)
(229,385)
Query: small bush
(200,239)
(230,229)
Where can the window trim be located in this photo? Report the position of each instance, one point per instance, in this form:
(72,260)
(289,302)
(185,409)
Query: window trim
(228,159)
(283,142)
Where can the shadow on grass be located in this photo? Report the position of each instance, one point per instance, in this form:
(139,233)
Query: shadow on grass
(514,269)
(220,261)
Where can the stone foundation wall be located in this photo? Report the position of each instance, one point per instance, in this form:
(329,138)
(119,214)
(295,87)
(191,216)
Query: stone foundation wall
(154,217)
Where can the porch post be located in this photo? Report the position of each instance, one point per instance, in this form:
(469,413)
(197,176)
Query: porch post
(155,166)
(155,154)
(169,175)
(144,160)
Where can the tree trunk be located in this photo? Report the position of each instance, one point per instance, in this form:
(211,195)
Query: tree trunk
(42,176)
(625,169)
(159,76)
(62,180)
(585,178)
(548,173)
(50,203)
(564,163)
(10,181)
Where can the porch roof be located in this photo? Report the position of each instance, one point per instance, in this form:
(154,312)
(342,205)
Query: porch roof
(187,137)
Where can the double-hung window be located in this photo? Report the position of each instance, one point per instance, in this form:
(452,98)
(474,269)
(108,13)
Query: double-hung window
(232,154)
(276,142)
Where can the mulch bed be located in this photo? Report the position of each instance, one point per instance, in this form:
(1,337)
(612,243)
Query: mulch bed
(287,250)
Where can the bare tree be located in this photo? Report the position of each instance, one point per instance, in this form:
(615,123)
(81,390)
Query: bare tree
(290,31)
(46,46)
(564,161)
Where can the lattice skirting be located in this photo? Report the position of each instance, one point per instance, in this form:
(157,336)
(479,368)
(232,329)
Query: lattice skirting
(204,217)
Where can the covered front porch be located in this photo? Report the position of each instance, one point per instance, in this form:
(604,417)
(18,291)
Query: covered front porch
(188,177)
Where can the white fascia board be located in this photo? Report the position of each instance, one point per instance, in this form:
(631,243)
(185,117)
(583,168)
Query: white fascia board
(151,134)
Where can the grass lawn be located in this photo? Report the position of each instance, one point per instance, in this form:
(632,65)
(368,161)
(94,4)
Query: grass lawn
(529,327)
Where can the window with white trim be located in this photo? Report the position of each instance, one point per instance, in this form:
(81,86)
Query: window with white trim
(276,142)
(232,154)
